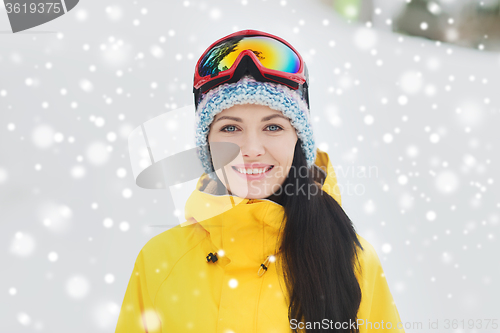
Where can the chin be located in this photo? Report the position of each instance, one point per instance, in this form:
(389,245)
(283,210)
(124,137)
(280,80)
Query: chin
(257,193)
(260,196)
(248,193)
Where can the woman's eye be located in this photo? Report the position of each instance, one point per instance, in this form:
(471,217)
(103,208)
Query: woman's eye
(232,128)
(276,128)
(226,127)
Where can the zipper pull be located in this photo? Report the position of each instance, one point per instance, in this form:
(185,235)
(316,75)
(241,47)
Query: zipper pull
(212,257)
(265,265)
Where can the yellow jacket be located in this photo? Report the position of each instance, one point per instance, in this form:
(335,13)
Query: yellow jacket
(174,289)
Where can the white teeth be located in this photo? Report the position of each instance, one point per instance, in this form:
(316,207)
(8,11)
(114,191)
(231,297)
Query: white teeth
(253,171)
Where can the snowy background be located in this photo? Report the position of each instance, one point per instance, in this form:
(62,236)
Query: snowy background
(421,117)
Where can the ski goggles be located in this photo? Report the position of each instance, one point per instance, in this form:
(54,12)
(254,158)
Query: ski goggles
(266,57)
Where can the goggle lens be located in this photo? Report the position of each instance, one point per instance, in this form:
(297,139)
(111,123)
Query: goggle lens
(271,53)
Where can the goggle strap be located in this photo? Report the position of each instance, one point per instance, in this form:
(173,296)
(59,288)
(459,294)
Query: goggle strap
(294,84)
(213,83)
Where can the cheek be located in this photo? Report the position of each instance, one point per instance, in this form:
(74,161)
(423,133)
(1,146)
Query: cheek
(283,150)
(217,136)
(210,136)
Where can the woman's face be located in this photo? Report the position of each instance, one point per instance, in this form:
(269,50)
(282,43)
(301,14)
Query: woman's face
(267,143)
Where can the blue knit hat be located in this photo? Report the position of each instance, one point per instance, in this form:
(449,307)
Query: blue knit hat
(249,91)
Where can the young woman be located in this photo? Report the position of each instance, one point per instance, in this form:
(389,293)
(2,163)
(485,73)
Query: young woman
(266,246)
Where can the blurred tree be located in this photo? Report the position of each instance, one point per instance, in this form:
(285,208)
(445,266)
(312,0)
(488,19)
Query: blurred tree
(354,10)
(479,26)
(472,24)
(422,18)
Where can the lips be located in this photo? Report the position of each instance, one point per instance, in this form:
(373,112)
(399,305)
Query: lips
(257,176)
(264,168)
(252,166)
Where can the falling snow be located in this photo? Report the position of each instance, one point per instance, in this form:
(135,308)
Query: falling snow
(422,114)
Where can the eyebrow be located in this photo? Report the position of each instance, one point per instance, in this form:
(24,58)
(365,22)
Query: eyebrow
(263,119)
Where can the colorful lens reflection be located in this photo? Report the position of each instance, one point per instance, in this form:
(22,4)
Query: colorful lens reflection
(272,54)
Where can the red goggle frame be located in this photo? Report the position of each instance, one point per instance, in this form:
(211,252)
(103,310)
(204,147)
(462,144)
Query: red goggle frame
(266,57)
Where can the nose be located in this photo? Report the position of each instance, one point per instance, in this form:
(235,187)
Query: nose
(252,146)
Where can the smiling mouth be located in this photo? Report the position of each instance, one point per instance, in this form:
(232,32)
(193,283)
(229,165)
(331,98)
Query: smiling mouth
(258,171)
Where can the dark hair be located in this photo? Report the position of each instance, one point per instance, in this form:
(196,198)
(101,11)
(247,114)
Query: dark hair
(318,250)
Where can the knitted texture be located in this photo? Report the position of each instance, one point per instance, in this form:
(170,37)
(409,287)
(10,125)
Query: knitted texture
(249,91)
